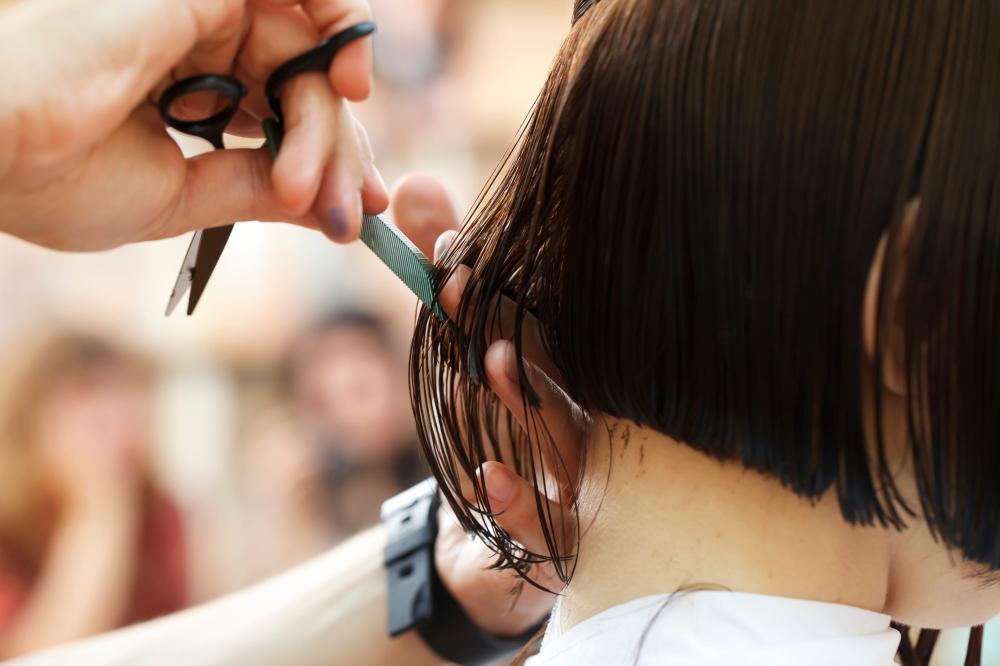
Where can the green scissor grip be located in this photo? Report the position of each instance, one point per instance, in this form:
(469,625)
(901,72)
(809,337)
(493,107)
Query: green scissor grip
(274,134)
(388,243)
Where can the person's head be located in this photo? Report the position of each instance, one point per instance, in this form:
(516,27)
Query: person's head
(71,400)
(766,229)
(350,382)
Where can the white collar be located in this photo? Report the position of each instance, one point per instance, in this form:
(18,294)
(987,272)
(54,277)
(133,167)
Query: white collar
(714,627)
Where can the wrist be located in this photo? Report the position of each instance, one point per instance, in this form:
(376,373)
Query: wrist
(418,598)
(498,618)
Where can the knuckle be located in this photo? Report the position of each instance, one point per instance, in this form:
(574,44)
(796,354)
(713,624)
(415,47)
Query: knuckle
(361,11)
(211,17)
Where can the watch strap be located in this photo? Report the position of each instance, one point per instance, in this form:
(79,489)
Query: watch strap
(418,599)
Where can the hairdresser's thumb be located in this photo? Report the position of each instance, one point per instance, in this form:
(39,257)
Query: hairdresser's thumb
(220,188)
(423,210)
(512,501)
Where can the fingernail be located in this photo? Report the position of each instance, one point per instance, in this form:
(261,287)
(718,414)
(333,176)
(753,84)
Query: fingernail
(336,223)
(381,180)
(499,484)
(443,244)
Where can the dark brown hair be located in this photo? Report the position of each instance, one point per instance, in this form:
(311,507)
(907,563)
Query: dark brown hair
(692,212)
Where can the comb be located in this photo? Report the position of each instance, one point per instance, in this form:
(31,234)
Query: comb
(402,257)
(389,244)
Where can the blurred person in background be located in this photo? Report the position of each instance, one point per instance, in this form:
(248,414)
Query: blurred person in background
(419,114)
(350,388)
(413,42)
(74,116)
(317,471)
(88,542)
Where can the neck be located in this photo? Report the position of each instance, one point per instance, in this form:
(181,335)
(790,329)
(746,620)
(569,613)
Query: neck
(657,516)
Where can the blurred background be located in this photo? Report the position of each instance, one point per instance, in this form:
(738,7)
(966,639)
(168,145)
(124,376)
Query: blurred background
(148,463)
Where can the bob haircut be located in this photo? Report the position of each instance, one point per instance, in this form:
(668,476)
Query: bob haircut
(691,212)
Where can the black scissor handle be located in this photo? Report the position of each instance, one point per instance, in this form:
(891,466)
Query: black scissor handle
(229,89)
(317,59)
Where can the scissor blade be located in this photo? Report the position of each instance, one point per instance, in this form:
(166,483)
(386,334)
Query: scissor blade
(183,282)
(213,242)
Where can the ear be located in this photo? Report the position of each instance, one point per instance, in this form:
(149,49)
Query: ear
(892,339)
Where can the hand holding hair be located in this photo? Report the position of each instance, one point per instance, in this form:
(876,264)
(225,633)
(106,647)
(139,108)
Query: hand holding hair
(423,210)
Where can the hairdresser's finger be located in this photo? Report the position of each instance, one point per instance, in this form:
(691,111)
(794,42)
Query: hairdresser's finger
(179,29)
(351,71)
(273,35)
(351,177)
(512,502)
(220,188)
(313,121)
(312,110)
(217,52)
(350,184)
(321,168)
(503,326)
(374,193)
(423,210)
(498,601)
(557,418)
(443,244)
(493,430)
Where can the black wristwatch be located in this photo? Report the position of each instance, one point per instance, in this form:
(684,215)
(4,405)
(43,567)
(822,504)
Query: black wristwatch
(417,597)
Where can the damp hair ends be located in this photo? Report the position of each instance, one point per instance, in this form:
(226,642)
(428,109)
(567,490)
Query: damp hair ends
(691,211)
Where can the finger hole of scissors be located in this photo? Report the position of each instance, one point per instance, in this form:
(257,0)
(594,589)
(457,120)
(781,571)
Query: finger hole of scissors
(202,106)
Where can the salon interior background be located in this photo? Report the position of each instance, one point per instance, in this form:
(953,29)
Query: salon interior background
(260,428)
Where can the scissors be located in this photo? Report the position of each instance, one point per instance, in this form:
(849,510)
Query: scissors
(206,246)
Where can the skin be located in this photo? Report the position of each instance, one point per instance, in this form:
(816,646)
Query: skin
(690,519)
(81,134)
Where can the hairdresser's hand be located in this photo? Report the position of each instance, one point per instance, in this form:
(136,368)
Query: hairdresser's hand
(498,600)
(486,593)
(85,162)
